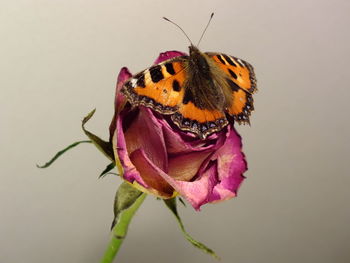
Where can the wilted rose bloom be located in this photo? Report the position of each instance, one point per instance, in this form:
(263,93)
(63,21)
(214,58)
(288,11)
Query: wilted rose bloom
(157,157)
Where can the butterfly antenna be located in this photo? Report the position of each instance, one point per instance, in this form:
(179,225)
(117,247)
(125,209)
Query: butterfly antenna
(205,29)
(178,27)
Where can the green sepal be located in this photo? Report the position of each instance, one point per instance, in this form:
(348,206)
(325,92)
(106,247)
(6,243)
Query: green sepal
(106,170)
(125,197)
(171,204)
(60,153)
(182,201)
(105,147)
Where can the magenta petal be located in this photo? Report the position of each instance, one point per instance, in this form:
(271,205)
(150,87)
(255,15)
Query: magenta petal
(184,167)
(178,142)
(168,55)
(130,173)
(119,100)
(231,166)
(150,175)
(146,133)
(197,192)
(123,76)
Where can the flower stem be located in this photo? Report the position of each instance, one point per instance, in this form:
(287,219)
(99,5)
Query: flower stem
(120,230)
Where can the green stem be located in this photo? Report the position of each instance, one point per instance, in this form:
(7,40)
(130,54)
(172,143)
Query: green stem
(120,230)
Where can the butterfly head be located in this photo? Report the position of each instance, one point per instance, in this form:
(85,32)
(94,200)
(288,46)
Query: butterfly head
(193,50)
(198,62)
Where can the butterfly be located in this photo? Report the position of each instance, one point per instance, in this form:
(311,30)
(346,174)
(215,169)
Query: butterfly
(201,92)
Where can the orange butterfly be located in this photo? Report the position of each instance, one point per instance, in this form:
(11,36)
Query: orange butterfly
(198,90)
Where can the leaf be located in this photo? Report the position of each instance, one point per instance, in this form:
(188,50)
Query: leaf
(105,147)
(171,204)
(60,153)
(125,197)
(106,170)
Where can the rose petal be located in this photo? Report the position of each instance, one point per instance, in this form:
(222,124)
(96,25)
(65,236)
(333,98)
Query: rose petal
(185,166)
(119,101)
(146,133)
(197,192)
(231,166)
(123,76)
(120,150)
(168,55)
(178,142)
(151,176)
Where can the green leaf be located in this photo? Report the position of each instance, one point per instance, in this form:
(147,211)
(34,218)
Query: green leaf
(107,169)
(171,204)
(128,199)
(60,153)
(124,198)
(105,147)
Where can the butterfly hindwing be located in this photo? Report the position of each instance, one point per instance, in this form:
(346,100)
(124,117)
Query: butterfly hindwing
(242,106)
(199,121)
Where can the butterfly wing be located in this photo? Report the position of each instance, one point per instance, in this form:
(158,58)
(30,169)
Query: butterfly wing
(158,87)
(162,88)
(242,83)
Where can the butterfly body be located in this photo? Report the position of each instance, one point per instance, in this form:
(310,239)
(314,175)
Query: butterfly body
(199,91)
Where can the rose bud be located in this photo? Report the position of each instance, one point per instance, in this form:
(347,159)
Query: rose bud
(154,155)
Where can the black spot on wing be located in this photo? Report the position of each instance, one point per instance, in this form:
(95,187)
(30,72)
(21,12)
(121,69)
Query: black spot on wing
(170,68)
(233,85)
(188,96)
(176,85)
(229,60)
(156,73)
(233,75)
(221,60)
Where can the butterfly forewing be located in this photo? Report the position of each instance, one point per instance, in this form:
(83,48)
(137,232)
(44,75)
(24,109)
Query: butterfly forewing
(159,87)
(238,70)
(242,83)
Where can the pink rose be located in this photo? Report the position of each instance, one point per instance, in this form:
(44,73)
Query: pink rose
(157,157)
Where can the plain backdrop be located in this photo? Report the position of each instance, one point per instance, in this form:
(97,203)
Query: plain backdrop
(60,59)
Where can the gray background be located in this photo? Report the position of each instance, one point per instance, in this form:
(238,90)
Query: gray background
(60,59)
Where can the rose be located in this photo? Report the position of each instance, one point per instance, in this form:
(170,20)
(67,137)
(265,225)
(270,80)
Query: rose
(158,158)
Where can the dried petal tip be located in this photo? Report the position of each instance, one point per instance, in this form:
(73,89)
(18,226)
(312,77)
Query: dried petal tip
(168,55)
